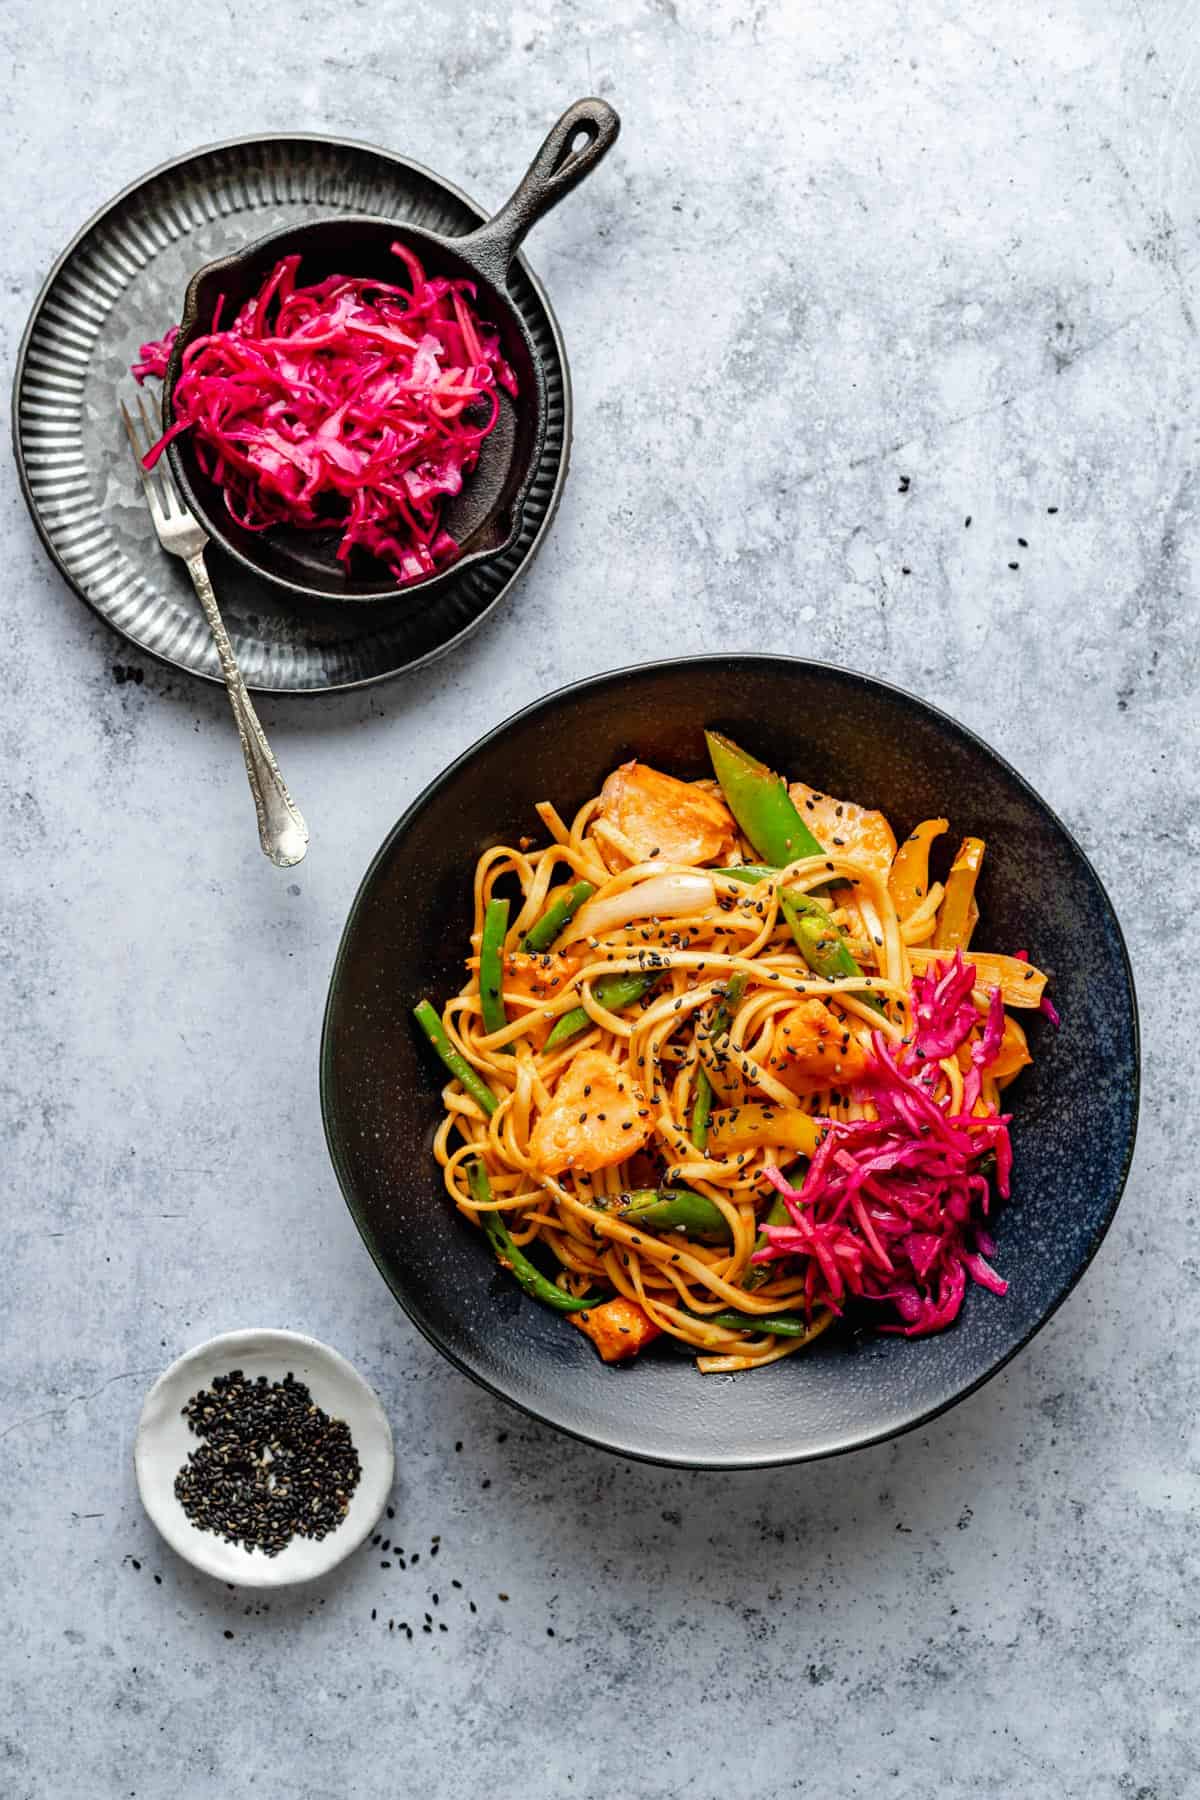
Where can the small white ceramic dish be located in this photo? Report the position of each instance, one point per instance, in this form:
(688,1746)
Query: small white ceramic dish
(164,1440)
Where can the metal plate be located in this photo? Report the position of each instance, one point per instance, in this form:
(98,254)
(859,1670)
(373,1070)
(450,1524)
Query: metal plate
(120,282)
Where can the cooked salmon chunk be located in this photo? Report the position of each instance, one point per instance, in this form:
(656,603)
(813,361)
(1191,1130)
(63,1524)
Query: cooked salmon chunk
(854,831)
(618,1328)
(597,1117)
(664,819)
(814,1048)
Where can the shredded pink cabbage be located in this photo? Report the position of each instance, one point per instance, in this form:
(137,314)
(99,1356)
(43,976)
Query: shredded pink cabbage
(892,1208)
(154,356)
(1047,1006)
(349,403)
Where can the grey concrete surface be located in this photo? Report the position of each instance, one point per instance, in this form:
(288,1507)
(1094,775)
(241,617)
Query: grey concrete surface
(837,246)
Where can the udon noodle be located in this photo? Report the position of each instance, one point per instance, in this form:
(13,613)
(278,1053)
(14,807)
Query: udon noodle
(737,1060)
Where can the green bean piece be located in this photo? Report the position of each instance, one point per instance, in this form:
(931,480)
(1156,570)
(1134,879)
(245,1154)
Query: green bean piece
(773,1324)
(722,1018)
(759,800)
(758,1273)
(536,1285)
(459,1067)
(674,1209)
(557,917)
(491,965)
(612,991)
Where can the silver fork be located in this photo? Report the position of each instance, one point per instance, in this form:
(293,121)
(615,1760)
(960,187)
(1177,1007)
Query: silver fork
(281,828)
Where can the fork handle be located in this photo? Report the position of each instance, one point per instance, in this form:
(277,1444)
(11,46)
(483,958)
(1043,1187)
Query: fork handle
(282,831)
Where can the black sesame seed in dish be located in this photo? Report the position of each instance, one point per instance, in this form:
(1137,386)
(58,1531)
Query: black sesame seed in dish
(264,1458)
(273,1465)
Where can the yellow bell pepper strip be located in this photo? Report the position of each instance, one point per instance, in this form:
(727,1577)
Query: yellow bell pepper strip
(1013,1055)
(722,1018)
(536,1285)
(674,1209)
(760,802)
(557,917)
(755,1127)
(491,965)
(613,992)
(953,929)
(908,882)
(1020,983)
(619,1329)
(459,1067)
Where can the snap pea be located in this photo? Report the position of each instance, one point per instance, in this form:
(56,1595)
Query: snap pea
(536,1285)
(762,806)
(459,1067)
(674,1209)
(760,802)
(817,937)
(819,941)
(722,1018)
(613,992)
(556,917)
(748,872)
(491,965)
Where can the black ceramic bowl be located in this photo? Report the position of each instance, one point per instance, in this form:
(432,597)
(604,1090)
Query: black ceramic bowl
(1076,1109)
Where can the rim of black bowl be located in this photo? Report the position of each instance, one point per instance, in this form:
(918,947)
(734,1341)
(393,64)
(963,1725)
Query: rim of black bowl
(613,1442)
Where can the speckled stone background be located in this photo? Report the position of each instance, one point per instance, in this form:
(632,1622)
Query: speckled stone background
(853,275)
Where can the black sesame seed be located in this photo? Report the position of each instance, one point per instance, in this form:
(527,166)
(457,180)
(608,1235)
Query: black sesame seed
(272,1466)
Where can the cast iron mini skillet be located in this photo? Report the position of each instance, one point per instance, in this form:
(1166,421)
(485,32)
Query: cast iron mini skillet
(1074,1112)
(485,517)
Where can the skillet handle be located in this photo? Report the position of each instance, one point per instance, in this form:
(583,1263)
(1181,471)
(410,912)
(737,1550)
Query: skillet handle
(554,171)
